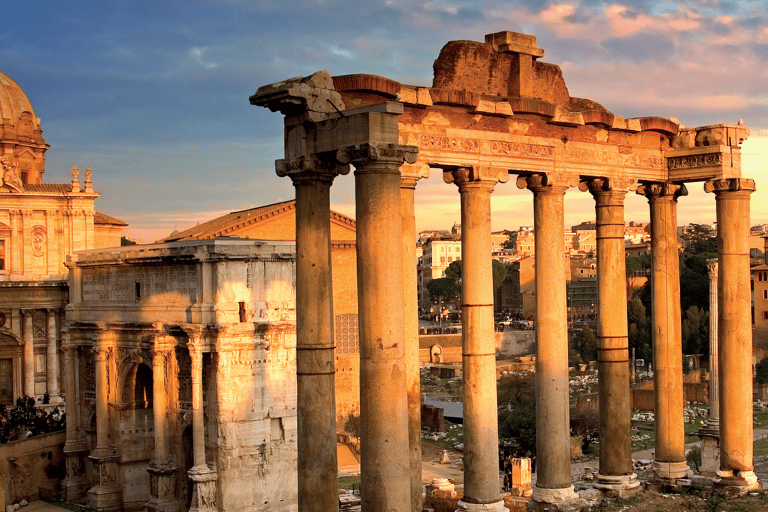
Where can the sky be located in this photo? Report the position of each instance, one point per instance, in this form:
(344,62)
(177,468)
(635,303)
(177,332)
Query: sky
(153,96)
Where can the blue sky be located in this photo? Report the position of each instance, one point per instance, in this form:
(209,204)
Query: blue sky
(153,96)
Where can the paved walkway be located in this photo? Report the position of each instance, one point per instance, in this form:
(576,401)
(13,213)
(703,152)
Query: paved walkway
(41,506)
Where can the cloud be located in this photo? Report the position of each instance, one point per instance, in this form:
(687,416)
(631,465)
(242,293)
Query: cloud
(197,52)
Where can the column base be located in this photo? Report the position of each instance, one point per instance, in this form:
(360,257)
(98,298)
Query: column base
(670,470)
(204,481)
(736,483)
(625,485)
(107,495)
(162,485)
(710,451)
(75,484)
(497,506)
(554,496)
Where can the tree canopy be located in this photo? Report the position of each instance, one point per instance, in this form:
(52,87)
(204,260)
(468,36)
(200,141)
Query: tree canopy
(443,289)
(453,272)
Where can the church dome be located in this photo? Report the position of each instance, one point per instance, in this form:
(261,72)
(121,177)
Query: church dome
(13,101)
(21,137)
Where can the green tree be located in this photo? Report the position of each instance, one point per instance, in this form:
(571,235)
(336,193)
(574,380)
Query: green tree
(453,272)
(761,371)
(639,329)
(519,423)
(352,425)
(586,344)
(695,331)
(443,289)
(634,263)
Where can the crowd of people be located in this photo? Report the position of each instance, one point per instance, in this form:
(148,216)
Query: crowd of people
(26,420)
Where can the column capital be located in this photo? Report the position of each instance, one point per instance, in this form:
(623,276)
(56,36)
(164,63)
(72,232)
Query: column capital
(412,173)
(602,185)
(377,152)
(712,267)
(542,182)
(665,189)
(315,167)
(729,185)
(465,174)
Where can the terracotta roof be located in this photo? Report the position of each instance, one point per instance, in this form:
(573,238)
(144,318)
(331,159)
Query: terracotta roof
(57,188)
(102,218)
(221,226)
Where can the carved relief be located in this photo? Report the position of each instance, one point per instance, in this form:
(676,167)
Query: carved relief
(38,240)
(520,149)
(610,158)
(313,166)
(449,143)
(377,152)
(686,162)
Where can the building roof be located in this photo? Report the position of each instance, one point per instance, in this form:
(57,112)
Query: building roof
(102,218)
(227,224)
(56,188)
(13,101)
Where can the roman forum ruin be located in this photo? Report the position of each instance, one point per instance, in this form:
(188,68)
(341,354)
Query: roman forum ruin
(495,110)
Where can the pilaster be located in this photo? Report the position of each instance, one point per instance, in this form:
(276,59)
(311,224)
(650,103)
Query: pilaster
(52,356)
(29,352)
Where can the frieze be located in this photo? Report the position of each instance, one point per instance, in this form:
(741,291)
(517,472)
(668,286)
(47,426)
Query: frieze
(501,147)
(449,143)
(686,162)
(610,158)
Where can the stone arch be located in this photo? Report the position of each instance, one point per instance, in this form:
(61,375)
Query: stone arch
(136,387)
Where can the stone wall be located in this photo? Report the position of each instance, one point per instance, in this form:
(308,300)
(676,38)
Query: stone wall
(515,343)
(31,464)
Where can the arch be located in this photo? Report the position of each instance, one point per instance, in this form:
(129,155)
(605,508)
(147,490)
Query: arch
(137,387)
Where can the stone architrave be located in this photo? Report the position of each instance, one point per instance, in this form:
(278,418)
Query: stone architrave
(616,470)
(734,334)
(553,451)
(385,464)
(410,174)
(312,177)
(670,462)
(481,436)
(710,432)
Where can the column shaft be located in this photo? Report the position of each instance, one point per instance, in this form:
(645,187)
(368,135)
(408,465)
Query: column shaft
(72,409)
(315,347)
(102,409)
(29,354)
(613,348)
(667,337)
(52,357)
(714,380)
(552,392)
(385,464)
(198,419)
(159,402)
(734,330)
(411,333)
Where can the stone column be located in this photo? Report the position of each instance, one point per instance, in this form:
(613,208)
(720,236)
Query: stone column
(162,471)
(481,435)
(553,449)
(75,485)
(616,470)
(315,375)
(669,462)
(52,357)
(203,477)
(710,433)
(734,333)
(29,353)
(409,175)
(385,466)
(106,494)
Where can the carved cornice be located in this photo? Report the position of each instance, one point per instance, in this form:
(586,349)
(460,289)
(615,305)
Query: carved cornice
(462,175)
(377,152)
(554,180)
(658,190)
(730,185)
(311,167)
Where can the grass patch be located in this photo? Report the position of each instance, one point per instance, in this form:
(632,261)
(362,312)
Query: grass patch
(628,502)
(349,482)
(760,418)
(760,447)
(453,435)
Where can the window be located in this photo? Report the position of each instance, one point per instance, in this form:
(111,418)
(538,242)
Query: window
(765,315)
(450,259)
(765,294)
(442,259)
(2,254)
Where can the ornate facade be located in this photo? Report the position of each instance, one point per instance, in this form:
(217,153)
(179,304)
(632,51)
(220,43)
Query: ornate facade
(182,358)
(40,224)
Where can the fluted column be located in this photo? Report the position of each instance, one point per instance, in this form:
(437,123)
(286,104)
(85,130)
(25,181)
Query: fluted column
(669,462)
(315,375)
(553,448)
(106,494)
(409,175)
(385,466)
(52,357)
(203,477)
(481,433)
(734,333)
(616,470)
(162,470)
(75,485)
(29,353)
(710,432)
